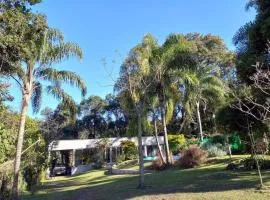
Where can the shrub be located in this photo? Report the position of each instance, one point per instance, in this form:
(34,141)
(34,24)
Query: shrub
(192,157)
(31,176)
(214,150)
(158,164)
(129,149)
(177,143)
(193,141)
(250,163)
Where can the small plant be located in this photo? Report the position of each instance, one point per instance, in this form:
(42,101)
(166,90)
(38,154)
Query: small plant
(193,141)
(177,143)
(214,150)
(192,157)
(158,164)
(129,149)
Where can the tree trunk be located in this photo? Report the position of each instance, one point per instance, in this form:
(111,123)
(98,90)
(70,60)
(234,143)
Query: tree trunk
(156,135)
(199,119)
(140,148)
(24,109)
(254,154)
(166,143)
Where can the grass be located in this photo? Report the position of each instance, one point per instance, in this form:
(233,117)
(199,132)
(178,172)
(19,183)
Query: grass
(210,181)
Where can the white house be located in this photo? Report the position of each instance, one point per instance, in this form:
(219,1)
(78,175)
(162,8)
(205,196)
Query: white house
(112,150)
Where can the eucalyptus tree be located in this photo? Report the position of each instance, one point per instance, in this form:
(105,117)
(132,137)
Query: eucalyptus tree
(133,85)
(40,47)
(201,87)
(92,111)
(116,117)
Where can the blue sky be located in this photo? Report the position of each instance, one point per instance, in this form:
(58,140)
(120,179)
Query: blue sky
(108,29)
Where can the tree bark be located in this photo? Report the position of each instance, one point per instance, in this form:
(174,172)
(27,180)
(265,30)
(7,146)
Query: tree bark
(199,119)
(156,135)
(140,148)
(166,143)
(24,109)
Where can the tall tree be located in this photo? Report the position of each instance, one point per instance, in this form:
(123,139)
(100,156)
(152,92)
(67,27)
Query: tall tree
(40,47)
(92,111)
(176,47)
(133,85)
(251,40)
(201,88)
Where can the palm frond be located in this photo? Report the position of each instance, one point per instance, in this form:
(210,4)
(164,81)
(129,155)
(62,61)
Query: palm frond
(212,80)
(57,92)
(169,110)
(59,52)
(190,78)
(68,77)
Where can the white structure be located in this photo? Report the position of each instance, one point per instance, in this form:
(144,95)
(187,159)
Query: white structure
(113,146)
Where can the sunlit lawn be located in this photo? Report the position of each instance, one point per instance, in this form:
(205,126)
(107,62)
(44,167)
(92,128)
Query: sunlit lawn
(210,181)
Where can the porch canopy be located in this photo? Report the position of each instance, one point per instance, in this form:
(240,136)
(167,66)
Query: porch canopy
(59,145)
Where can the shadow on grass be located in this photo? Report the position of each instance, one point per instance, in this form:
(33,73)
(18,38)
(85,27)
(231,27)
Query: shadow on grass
(170,181)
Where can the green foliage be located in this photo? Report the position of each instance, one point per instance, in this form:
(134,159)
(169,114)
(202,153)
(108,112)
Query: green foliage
(251,40)
(31,175)
(34,157)
(177,143)
(193,141)
(129,149)
(250,163)
(7,144)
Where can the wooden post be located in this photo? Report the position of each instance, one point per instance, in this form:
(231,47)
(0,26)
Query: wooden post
(105,154)
(110,155)
(73,157)
(145,150)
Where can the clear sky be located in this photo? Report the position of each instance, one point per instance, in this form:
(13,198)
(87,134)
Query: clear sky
(108,29)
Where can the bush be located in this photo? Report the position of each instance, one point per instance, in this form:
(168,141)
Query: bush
(250,163)
(129,149)
(177,143)
(214,150)
(158,164)
(192,157)
(31,175)
(193,141)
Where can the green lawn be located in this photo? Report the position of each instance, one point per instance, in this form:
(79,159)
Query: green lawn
(210,181)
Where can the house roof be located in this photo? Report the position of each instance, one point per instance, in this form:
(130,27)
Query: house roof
(58,145)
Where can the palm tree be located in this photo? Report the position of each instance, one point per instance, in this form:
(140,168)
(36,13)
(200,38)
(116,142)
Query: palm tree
(154,112)
(47,48)
(201,87)
(165,60)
